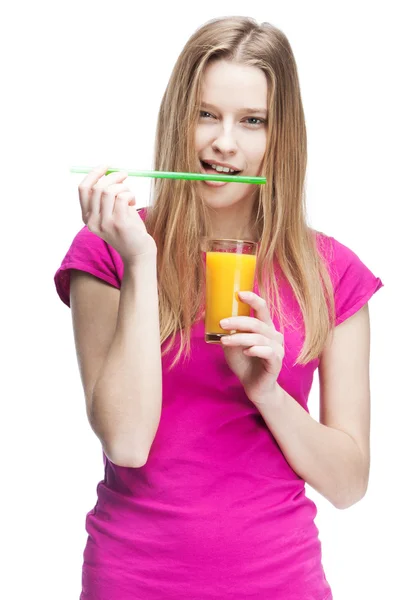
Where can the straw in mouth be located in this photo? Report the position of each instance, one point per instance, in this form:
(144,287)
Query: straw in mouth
(209,166)
(214,176)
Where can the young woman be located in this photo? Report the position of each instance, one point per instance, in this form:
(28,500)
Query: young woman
(207,447)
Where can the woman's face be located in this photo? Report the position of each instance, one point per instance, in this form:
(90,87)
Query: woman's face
(231,129)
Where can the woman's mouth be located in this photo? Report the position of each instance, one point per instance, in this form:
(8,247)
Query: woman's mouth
(207,168)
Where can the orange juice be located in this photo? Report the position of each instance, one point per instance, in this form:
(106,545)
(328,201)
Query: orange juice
(227,273)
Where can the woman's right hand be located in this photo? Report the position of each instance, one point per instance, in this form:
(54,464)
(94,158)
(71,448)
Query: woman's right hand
(108,210)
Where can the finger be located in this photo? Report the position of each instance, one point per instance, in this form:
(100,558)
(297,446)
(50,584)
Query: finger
(115,177)
(246,339)
(90,195)
(107,199)
(247,324)
(124,202)
(258,304)
(93,177)
(99,187)
(85,187)
(249,340)
(127,197)
(265,353)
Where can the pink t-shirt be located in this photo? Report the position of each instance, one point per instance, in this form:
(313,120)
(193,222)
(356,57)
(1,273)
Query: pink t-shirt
(217,512)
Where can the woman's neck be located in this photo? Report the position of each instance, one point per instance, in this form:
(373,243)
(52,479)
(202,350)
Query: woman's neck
(232,224)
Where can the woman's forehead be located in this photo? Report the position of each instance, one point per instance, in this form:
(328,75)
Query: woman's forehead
(236,86)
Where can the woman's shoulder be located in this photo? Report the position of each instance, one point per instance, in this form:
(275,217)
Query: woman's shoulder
(90,253)
(353,281)
(337,256)
(331,247)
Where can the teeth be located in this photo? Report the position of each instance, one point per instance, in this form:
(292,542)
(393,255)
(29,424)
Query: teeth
(223,169)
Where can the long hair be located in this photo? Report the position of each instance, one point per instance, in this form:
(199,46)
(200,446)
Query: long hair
(177,218)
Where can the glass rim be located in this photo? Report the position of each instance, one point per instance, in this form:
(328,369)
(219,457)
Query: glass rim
(231,240)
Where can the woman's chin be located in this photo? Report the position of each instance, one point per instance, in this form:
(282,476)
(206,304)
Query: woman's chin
(215,203)
(215,200)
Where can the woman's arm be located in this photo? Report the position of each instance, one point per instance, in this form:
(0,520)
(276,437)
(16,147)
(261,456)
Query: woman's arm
(127,395)
(118,347)
(332,456)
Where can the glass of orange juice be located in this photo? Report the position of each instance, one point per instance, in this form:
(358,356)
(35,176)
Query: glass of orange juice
(230,268)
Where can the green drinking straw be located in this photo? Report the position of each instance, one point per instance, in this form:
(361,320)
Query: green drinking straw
(173,175)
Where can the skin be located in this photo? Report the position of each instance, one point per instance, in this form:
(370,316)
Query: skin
(228,133)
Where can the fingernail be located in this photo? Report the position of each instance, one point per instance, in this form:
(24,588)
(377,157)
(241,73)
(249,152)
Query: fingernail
(224,322)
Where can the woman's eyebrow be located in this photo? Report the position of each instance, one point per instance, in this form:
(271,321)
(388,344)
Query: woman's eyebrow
(242,110)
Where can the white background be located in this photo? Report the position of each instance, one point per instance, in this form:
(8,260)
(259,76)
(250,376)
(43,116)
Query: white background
(82,82)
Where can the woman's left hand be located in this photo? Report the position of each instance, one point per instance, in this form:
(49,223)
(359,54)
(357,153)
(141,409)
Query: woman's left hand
(254,356)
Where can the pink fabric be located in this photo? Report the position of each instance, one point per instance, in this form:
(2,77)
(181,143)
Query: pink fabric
(217,512)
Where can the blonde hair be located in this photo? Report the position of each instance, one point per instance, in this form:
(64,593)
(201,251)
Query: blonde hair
(177,217)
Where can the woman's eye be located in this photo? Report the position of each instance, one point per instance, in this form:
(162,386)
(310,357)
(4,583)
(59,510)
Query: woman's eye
(205,114)
(254,121)
(259,121)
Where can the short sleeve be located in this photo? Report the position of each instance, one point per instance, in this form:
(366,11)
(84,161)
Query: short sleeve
(354,283)
(89,252)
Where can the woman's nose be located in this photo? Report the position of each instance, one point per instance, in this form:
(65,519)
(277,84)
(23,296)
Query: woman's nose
(225,142)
